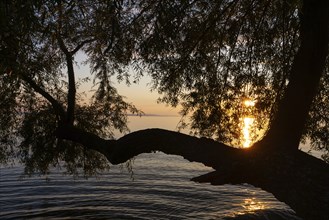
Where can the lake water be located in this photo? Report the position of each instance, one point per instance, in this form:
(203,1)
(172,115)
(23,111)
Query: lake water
(159,189)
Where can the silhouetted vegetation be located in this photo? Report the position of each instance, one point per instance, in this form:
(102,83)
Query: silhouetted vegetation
(206,55)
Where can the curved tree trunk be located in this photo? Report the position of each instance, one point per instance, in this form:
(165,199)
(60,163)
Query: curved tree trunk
(296,178)
(305,74)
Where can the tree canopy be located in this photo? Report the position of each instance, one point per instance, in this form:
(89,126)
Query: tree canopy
(207,56)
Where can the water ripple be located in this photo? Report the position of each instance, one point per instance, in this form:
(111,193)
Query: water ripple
(160,190)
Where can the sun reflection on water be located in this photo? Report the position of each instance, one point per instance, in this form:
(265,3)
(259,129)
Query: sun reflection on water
(247,124)
(251,204)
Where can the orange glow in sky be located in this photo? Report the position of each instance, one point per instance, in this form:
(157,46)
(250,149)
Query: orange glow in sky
(139,94)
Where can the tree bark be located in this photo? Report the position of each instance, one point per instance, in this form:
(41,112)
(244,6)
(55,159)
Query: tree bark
(293,177)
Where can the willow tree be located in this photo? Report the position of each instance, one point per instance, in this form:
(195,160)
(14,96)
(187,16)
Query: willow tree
(206,55)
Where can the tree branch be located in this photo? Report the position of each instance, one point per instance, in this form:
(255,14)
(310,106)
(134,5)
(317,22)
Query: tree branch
(62,44)
(71,87)
(77,48)
(87,139)
(204,150)
(71,90)
(149,140)
(57,107)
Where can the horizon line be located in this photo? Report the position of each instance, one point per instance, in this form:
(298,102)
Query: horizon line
(157,115)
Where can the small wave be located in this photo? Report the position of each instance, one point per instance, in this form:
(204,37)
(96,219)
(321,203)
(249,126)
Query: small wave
(160,190)
(266,214)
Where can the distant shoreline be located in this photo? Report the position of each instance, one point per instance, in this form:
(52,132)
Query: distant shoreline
(153,115)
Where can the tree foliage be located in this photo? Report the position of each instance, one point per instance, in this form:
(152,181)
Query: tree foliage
(208,56)
(38,43)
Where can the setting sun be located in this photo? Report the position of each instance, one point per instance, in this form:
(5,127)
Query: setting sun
(249,103)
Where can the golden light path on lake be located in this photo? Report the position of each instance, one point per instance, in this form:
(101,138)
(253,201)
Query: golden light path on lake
(247,124)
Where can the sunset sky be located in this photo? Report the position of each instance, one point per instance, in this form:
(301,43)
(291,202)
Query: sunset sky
(139,94)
